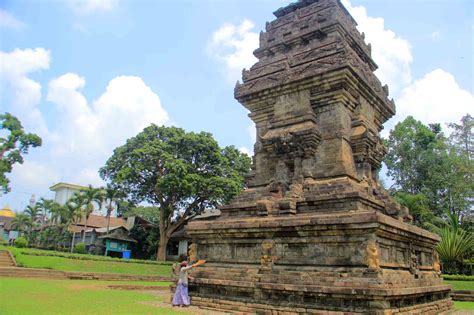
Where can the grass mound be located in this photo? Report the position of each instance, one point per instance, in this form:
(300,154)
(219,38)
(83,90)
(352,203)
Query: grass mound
(34,258)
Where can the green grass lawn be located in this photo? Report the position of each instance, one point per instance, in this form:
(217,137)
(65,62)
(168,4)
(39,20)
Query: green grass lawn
(34,258)
(460,305)
(67,264)
(38,296)
(461,285)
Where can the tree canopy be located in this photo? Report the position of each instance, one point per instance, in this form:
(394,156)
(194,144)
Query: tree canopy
(181,173)
(422,160)
(432,176)
(14,143)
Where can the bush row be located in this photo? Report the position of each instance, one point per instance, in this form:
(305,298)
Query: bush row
(458,277)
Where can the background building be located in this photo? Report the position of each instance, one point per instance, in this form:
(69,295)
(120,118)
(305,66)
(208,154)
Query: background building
(6,217)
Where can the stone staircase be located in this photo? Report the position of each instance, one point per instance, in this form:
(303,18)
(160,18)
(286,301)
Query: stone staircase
(16,272)
(6,259)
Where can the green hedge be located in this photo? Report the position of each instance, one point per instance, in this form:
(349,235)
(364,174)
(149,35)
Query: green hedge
(458,277)
(40,252)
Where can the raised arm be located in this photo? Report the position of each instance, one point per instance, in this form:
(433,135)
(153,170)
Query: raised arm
(197,264)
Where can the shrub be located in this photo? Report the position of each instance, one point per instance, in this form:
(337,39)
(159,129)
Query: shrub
(80,248)
(455,246)
(458,277)
(21,242)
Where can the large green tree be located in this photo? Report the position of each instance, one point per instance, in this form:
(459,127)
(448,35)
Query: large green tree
(14,143)
(422,161)
(460,192)
(181,173)
(462,137)
(412,147)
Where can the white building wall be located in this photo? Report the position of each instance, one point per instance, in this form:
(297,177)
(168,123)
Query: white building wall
(63,194)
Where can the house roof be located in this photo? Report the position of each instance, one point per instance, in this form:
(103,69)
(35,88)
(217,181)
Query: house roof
(120,234)
(99,221)
(78,229)
(104,229)
(181,233)
(66,185)
(75,229)
(140,221)
(96,222)
(207,214)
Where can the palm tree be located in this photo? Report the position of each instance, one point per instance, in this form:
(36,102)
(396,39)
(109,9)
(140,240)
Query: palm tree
(92,196)
(47,206)
(72,212)
(55,212)
(455,246)
(21,222)
(32,212)
(111,197)
(456,243)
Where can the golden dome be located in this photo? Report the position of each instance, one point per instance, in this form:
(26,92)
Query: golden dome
(7,212)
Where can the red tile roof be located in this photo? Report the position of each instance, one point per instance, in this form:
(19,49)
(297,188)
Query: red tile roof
(97,221)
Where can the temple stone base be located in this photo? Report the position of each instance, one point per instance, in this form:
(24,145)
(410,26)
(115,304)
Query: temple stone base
(361,262)
(235,307)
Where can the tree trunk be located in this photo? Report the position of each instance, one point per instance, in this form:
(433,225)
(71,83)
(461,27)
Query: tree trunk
(38,241)
(72,241)
(108,225)
(85,228)
(108,221)
(161,256)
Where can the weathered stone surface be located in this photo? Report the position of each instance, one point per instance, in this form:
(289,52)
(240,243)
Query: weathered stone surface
(315,233)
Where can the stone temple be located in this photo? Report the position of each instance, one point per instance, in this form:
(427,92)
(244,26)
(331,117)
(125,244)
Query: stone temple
(314,232)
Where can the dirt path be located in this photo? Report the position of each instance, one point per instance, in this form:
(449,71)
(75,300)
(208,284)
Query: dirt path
(164,296)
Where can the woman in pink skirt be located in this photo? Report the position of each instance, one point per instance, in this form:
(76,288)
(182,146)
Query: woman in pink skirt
(181,296)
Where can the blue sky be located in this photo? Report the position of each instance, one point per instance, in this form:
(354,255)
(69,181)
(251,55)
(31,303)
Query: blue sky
(86,75)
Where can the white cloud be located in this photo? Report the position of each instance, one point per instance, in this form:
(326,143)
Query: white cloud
(15,67)
(245,150)
(391,52)
(84,7)
(81,135)
(234,45)
(252,133)
(35,175)
(88,133)
(7,20)
(90,176)
(435,98)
